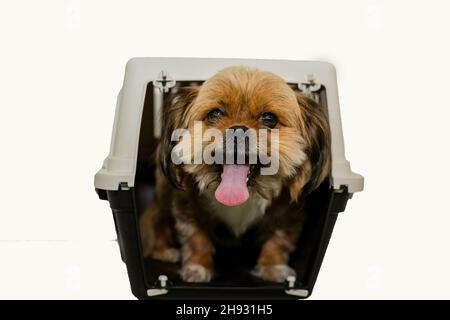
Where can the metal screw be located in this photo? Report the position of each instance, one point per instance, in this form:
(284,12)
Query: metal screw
(291,281)
(163,280)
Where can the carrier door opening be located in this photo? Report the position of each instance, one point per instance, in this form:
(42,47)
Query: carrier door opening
(234,263)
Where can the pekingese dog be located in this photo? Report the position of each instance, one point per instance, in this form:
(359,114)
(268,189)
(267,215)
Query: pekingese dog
(278,151)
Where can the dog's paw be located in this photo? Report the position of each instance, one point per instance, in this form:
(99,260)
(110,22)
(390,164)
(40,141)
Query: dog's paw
(195,273)
(167,255)
(275,273)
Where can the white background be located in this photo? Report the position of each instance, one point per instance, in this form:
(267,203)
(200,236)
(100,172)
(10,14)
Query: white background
(62,64)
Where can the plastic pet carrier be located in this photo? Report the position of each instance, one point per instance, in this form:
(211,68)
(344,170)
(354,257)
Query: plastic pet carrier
(126,179)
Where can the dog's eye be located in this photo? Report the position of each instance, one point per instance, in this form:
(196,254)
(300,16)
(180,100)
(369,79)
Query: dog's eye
(268,119)
(214,115)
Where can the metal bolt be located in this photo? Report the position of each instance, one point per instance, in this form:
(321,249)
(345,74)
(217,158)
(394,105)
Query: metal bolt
(291,281)
(163,280)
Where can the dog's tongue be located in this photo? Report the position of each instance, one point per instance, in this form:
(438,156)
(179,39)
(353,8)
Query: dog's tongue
(232,190)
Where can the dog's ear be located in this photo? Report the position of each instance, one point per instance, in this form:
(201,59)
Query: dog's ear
(176,106)
(316,132)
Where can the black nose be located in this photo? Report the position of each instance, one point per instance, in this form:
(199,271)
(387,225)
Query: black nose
(238,144)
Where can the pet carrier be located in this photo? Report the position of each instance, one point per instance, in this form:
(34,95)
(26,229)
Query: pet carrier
(126,179)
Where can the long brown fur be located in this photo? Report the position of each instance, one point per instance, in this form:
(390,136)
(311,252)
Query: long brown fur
(183,205)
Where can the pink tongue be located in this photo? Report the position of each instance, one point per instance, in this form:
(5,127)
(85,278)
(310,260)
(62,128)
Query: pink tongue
(232,190)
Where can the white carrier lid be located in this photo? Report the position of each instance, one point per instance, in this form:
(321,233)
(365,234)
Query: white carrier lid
(119,167)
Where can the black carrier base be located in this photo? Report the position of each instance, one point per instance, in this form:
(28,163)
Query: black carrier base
(148,277)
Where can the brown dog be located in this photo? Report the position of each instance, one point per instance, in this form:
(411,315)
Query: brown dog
(192,198)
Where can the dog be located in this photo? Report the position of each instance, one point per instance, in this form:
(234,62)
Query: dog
(191,198)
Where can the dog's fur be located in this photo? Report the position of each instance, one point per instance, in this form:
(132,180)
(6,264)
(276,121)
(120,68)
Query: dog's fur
(184,207)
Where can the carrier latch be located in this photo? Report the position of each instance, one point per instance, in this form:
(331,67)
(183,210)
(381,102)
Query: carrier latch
(310,87)
(164,81)
(161,85)
(162,284)
(291,290)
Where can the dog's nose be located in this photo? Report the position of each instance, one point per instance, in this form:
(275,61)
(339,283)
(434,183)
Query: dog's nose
(236,144)
(235,128)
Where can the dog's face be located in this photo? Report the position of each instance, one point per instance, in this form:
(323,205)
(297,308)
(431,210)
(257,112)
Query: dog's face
(285,134)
